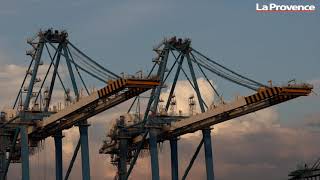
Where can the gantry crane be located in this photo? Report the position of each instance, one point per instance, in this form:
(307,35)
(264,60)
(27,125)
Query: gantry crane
(131,133)
(34,116)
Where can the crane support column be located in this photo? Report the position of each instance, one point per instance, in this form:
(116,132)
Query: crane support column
(123,152)
(174,158)
(24,153)
(208,153)
(58,150)
(154,154)
(123,159)
(3,143)
(205,132)
(83,127)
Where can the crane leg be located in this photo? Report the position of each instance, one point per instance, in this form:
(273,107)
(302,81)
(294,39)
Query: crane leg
(174,159)
(154,154)
(24,153)
(85,162)
(208,153)
(2,154)
(122,165)
(58,149)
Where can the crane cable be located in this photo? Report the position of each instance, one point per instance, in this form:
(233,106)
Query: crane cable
(226,74)
(112,74)
(89,65)
(237,81)
(222,71)
(229,70)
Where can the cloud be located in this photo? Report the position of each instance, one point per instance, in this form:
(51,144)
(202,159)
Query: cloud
(316,84)
(184,90)
(312,120)
(12,75)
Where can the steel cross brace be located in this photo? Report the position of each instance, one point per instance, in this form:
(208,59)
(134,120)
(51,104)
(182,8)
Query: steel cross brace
(74,156)
(16,134)
(192,160)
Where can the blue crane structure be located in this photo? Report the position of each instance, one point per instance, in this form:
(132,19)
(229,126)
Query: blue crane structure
(126,139)
(34,117)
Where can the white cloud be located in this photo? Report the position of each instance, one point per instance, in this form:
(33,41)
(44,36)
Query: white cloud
(184,90)
(316,84)
(11,77)
(254,122)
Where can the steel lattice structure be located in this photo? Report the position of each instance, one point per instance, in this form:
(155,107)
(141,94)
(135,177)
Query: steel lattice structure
(34,117)
(157,125)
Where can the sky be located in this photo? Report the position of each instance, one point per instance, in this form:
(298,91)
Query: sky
(120,36)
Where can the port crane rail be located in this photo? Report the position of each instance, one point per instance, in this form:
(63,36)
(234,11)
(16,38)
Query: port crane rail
(127,140)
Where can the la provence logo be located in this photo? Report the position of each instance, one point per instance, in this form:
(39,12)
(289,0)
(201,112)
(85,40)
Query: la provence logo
(272,7)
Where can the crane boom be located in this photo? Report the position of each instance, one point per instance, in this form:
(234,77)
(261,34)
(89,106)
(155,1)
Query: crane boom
(113,94)
(265,97)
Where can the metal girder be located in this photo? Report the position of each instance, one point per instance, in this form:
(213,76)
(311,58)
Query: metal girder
(205,132)
(195,84)
(153,132)
(174,158)
(154,154)
(74,156)
(135,157)
(24,153)
(58,155)
(13,146)
(195,155)
(53,79)
(123,152)
(34,75)
(208,153)
(174,82)
(85,162)
(73,80)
